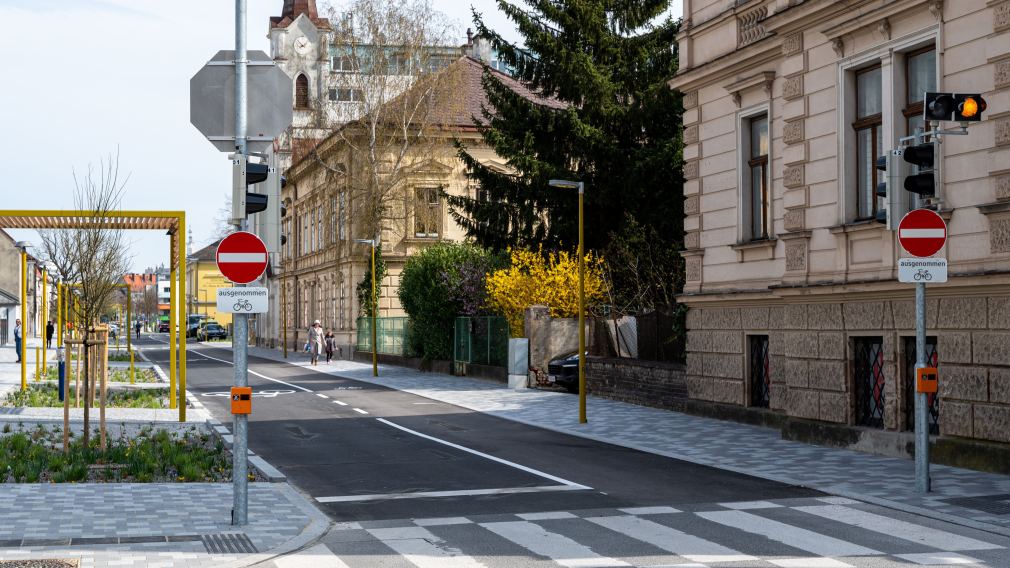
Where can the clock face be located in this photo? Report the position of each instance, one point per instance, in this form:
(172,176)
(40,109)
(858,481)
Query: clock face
(302,45)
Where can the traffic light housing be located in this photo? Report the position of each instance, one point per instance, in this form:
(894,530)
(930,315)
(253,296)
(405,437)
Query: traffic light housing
(960,107)
(895,170)
(883,188)
(922,156)
(245,174)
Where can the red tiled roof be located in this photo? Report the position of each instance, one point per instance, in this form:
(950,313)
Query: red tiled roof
(138,282)
(294,8)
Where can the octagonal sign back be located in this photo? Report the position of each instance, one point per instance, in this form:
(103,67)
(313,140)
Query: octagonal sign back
(212,101)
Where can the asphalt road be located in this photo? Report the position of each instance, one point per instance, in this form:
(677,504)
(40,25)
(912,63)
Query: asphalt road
(328,449)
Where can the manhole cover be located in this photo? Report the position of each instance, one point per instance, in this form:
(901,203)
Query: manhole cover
(992,504)
(228,543)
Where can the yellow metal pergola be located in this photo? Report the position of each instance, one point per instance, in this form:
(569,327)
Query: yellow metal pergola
(172,222)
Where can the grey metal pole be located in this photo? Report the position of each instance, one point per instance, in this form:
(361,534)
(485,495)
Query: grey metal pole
(922,484)
(240,446)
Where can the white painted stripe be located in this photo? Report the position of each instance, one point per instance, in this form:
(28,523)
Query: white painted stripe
(538,473)
(838,500)
(922,233)
(460,493)
(241,257)
(904,530)
(787,534)
(322,395)
(649,510)
(665,538)
(423,549)
(747,505)
(442,522)
(359,411)
(318,556)
(558,548)
(251,372)
(810,563)
(340,402)
(939,559)
(547,516)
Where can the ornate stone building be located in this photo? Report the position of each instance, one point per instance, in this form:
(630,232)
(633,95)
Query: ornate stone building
(792,287)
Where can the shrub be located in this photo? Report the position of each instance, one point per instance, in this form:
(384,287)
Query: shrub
(539,278)
(432,294)
(365,287)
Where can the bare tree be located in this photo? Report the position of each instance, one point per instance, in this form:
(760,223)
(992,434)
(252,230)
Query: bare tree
(92,256)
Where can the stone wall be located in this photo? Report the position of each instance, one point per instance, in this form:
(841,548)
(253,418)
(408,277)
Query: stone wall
(811,358)
(646,383)
(550,337)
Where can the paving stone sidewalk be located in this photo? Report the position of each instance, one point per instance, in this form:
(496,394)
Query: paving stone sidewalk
(967,497)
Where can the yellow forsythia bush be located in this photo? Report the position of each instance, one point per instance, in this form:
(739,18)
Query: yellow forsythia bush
(551,279)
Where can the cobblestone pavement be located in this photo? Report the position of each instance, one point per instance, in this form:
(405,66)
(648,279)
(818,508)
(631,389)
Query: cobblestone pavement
(960,495)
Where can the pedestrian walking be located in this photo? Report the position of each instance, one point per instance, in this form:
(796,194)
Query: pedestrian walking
(17,339)
(315,341)
(331,343)
(50,330)
(136,326)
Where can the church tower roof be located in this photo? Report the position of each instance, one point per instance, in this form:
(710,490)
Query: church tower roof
(294,8)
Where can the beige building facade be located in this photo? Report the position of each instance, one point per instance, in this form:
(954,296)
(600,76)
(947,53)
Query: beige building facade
(791,284)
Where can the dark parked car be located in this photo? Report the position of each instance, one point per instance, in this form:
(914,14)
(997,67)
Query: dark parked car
(163,327)
(564,371)
(212,331)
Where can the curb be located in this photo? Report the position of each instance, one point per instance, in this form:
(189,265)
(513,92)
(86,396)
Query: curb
(219,430)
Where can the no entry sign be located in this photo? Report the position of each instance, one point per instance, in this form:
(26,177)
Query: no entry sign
(922,232)
(241,257)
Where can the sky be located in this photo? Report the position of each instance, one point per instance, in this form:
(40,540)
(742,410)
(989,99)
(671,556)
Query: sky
(87,79)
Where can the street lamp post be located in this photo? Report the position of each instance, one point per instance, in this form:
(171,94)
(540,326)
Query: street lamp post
(24,313)
(582,295)
(375,305)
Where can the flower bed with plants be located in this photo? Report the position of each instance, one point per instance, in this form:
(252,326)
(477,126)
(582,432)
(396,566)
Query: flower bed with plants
(36,455)
(43,395)
(118,375)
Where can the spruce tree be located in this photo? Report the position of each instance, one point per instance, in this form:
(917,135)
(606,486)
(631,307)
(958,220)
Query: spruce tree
(602,113)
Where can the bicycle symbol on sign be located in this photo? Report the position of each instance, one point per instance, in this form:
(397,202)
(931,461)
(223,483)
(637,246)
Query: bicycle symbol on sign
(922,274)
(243,305)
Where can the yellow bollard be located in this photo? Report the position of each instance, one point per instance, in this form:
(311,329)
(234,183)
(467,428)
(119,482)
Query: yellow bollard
(132,373)
(38,364)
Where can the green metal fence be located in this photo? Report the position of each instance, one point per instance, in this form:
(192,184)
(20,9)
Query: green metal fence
(481,340)
(390,335)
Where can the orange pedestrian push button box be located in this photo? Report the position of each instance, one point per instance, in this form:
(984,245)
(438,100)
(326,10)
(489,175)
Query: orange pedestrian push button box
(241,400)
(926,379)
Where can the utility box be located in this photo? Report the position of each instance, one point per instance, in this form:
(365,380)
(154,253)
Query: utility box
(519,362)
(241,400)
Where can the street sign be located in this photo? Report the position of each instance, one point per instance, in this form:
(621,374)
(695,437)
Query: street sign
(925,270)
(241,257)
(922,232)
(242,300)
(212,101)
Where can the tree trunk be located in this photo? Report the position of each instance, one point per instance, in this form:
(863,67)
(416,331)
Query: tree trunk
(104,358)
(87,382)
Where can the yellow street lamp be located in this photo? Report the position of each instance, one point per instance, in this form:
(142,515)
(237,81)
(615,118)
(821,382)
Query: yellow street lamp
(566,184)
(375,304)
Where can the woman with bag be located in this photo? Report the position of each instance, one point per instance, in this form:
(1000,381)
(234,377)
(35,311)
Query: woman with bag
(315,341)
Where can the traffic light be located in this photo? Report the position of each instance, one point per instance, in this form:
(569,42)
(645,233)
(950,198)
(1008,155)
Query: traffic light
(883,188)
(968,108)
(245,174)
(894,201)
(953,107)
(923,156)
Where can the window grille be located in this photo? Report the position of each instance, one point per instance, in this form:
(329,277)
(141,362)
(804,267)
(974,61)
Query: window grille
(868,372)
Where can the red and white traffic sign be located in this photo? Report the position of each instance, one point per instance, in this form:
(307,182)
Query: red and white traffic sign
(242,257)
(922,232)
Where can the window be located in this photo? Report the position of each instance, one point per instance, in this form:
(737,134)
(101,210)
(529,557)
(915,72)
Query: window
(920,77)
(932,400)
(342,220)
(333,221)
(397,64)
(868,375)
(343,64)
(319,229)
(758,199)
(426,212)
(760,379)
(869,140)
(302,92)
(343,95)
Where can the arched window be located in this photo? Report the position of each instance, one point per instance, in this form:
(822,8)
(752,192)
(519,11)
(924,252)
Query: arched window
(302,92)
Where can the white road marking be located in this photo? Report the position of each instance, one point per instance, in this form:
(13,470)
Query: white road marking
(939,558)
(321,395)
(746,505)
(693,548)
(558,548)
(359,411)
(538,473)
(795,537)
(548,516)
(912,532)
(460,493)
(341,403)
(423,549)
(319,556)
(442,521)
(251,372)
(649,510)
(809,563)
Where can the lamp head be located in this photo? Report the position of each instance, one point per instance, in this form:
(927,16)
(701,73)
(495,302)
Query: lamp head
(369,242)
(564,183)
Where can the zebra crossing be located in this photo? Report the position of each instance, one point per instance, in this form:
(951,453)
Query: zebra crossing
(816,532)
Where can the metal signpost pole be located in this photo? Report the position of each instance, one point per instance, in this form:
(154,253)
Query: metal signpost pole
(921,427)
(240,512)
